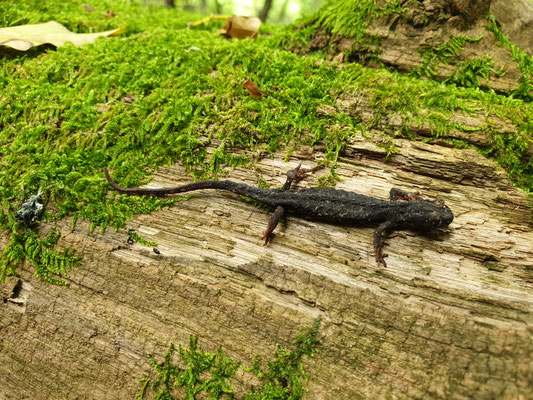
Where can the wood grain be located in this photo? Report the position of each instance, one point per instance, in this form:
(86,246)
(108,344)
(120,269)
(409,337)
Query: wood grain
(451,316)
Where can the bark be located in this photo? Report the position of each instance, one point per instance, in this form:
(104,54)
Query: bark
(450,317)
(170,3)
(516,18)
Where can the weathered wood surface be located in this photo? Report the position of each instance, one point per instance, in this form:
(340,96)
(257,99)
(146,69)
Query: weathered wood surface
(451,316)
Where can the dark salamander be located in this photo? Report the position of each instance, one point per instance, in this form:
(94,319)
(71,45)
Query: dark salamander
(327,204)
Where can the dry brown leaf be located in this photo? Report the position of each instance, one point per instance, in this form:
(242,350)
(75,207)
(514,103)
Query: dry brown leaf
(24,37)
(88,8)
(252,89)
(241,27)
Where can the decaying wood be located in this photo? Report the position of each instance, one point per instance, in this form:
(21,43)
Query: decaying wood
(401,39)
(451,316)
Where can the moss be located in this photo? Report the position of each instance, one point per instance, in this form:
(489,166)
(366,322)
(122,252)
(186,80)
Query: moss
(49,264)
(468,72)
(131,14)
(390,148)
(199,372)
(523,60)
(442,54)
(351,18)
(199,363)
(135,237)
(436,103)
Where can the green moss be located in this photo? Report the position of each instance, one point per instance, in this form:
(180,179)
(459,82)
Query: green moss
(444,53)
(351,18)
(138,102)
(131,14)
(135,237)
(523,60)
(434,103)
(467,73)
(328,180)
(49,264)
(284,374)
(203,372)
(209,374)
(390,148)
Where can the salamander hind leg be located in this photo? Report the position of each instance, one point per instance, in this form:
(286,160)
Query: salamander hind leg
(378,242)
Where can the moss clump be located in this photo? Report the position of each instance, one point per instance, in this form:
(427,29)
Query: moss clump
(135,237)
(428,102)
(202,373)
(359,21)
(468,72)
(284,374)
(141,101)
(73,14)
(523,60)
(49,264)
(351,18)
(442,54)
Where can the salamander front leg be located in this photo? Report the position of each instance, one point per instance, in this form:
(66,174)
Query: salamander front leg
(296,175)
(398,194)
(293,175)
(378,241)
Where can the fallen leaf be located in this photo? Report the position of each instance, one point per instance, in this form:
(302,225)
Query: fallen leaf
(24,37)
(88,8)
(252,89)
(108,13)
(241,27)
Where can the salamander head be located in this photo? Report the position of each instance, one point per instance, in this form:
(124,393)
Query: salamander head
(428,214)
